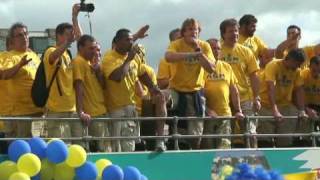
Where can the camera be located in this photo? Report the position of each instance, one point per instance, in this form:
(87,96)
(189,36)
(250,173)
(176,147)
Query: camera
(86,7)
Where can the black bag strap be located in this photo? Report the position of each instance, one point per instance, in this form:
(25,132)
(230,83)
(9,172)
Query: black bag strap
(55,74)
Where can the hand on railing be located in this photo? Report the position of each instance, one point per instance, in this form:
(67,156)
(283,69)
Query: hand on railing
(85,118)
(239,115)
(302,115)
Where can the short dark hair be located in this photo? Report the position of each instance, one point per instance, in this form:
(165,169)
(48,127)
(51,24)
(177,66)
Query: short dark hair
(171,34)
(83,39)
(120,34)
(294,27)
(62,27)
(14,27)
(247,19)
(296,55)
(226,23)
(315,60)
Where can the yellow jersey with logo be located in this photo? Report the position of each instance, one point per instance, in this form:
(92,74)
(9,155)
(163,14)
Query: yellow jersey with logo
(189,74)
(243,63)
(217,88)
(5,90)
(311,87)
(284,79)
(254,43)
(165,70)
(149,70)
(64,102)
(120,94)
(21,83)
(93,99)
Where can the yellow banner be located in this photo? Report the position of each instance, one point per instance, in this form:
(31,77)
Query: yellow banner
(302,176)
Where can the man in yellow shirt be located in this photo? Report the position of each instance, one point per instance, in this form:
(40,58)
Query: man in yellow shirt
(21,80)
(247,38)
(245,68)
(219,87)
(191,58)
(89,83)
(292,42)
(61,100)
(165,69)
(282,82)
(311,79)
(121,72)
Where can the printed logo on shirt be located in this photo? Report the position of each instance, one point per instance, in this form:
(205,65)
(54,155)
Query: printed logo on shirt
(231,59)
(283,80)
(216,76)
(313,90)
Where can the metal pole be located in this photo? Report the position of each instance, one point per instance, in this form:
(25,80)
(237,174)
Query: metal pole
(175,133)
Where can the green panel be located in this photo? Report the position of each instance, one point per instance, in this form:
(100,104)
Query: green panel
(166,166)
(282,160)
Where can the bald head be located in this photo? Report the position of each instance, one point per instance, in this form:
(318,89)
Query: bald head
(215,47)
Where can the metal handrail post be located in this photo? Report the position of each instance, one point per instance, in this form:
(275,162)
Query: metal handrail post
(175,132)
(246,134)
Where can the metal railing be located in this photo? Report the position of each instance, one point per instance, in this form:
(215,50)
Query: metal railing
(175,135)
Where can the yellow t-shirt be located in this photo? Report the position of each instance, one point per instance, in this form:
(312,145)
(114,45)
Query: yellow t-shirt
(285,81)
(308,51)
(311,87)
(189,75)
(22,82)
(165,70)
(243,63)
(93,100)
(149,70)
(254,43)
(217,88)
(121,93)
(5,90)
(66,101)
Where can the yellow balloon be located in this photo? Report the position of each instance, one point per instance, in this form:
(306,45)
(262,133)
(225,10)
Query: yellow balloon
(77,156)
(101,164)
(29,164)
(47,170)
(63,172)
(19,176)
(7,168)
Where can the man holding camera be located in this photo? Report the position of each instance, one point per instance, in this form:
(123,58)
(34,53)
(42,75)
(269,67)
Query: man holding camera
(61,101)
(121,71)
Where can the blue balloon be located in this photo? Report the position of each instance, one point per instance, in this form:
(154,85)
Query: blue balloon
(131,173)
(57,151)
(38,147)
(36,177)
(17,148)
(88,171)
(112,172)
(143,177)
(275,175)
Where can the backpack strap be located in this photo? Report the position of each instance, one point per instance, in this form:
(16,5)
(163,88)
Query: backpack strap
(55,75)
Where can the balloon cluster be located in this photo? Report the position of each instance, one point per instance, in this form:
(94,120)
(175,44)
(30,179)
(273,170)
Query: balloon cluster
(244,171)
(35,159)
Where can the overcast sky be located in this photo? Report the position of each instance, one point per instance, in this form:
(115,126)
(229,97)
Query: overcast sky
(164,15)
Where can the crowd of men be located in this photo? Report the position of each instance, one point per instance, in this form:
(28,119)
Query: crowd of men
(236,74)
